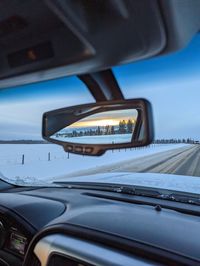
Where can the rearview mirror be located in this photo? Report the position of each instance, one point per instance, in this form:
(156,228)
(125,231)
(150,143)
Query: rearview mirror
(92,129)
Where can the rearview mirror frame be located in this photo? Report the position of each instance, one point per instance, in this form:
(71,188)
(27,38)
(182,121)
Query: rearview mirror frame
(57,119)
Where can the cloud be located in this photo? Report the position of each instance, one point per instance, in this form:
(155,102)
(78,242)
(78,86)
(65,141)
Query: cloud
(21,116)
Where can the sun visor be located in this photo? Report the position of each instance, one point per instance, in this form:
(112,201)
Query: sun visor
(47,39)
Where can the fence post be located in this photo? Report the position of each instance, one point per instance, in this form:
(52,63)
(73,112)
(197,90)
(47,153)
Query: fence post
(22,158)
(49,156)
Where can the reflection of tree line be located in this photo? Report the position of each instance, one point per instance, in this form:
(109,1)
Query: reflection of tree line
(124,127)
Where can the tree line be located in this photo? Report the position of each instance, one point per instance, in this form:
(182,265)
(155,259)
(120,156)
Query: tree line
(124,127)
(175,140)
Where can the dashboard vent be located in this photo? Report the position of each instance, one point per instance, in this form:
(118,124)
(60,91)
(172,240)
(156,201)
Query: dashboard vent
(58,260)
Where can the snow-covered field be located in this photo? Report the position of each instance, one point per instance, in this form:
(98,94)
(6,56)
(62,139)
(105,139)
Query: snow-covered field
(103,139)
(37,165)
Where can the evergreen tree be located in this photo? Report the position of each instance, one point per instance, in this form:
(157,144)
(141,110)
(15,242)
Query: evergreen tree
(98,130)
(122,127)
(107,129)
(112,131)
(129,126)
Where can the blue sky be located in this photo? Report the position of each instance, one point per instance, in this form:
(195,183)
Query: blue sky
(171,83)
(21,108)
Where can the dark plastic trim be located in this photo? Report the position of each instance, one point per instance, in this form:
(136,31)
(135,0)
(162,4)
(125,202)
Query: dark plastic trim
(145,250)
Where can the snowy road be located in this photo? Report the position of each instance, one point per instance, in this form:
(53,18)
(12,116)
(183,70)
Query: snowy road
(186,162)
(181,161)
(45,163)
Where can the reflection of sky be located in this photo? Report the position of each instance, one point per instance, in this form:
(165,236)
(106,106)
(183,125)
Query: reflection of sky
(107,118)
(171,83)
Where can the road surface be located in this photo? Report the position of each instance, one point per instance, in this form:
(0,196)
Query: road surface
(181,161)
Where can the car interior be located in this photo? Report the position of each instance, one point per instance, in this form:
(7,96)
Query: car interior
(75,224)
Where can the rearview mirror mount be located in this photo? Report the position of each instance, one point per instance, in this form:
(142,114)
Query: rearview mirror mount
(91,129)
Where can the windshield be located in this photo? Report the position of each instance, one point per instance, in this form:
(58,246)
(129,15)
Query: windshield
(171,84)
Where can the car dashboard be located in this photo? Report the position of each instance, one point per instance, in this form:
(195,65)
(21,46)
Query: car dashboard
(78,227)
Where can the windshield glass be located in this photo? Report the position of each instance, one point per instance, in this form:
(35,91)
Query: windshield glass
(171,83)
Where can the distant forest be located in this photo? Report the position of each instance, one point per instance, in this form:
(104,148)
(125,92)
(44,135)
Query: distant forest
(23,141)
(166,141)
(157,141)
(124,127)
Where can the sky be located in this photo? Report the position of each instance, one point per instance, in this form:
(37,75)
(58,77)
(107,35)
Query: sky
(21,108)
(111,118)
(171,83)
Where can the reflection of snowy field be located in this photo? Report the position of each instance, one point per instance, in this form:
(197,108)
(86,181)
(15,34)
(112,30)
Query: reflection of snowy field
(37,167)
(102,139)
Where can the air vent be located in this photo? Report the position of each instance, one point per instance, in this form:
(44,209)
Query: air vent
(11,25)
(59,260)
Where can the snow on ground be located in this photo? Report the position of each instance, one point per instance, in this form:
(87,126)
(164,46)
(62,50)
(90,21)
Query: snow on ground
(103,139)
(36,166)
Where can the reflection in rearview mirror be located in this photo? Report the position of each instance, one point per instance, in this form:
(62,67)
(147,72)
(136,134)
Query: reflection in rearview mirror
(92,129)
(109,127)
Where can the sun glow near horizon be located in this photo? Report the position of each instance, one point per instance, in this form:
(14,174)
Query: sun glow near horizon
(93,123)
(103,119)
(100,122)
